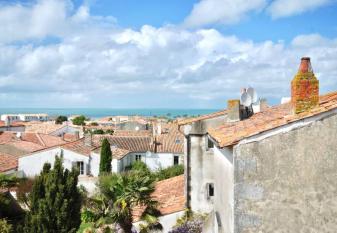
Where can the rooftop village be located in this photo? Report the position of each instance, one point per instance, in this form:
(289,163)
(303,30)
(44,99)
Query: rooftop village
(248,168)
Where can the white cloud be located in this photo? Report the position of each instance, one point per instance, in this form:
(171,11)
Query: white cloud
(151,67)
(285,8)
(226,12)
(55,18)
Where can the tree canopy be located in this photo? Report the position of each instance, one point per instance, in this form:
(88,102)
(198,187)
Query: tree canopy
(79,120)
(106,157)
(55,201)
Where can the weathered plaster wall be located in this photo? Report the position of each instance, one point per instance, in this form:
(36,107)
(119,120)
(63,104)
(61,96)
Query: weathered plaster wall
(201,169)
(223,190)
(288,182)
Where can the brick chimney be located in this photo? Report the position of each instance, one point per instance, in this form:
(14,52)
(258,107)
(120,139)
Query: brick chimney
(233,110)
(304,88)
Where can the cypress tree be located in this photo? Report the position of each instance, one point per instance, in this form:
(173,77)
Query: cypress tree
(55,201)
(106,157)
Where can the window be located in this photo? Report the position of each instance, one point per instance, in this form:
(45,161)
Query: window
(80,166)
(175,160)
(210,190)
(138,157)
(209,144)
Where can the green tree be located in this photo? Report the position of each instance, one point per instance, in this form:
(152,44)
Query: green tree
(55,201)
(5,227)
(79,120)
(119,195)
(60,119)
(106,157)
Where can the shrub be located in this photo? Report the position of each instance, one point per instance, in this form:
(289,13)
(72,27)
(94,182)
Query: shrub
(60,119)
(79,120)
(5,227)
(169,172)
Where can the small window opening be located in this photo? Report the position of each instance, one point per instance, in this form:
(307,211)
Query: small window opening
(175,160)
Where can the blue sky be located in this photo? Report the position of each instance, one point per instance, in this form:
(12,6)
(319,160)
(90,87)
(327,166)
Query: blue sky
(150,53)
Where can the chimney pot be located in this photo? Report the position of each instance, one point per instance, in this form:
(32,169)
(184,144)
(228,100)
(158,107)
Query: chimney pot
(88,139)
(304,88)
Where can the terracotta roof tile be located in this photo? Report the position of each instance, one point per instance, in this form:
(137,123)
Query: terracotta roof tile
(79,147)
(171,140)
(170,196)
(273,117)
(8,162)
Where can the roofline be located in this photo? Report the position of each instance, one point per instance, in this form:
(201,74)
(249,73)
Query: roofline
(299,123)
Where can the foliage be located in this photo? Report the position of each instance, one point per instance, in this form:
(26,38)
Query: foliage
(7,181)
(106,157)
(60,119)
(193,226)
(79,120)
(109,131)
(97,131)
(24,187)
(94,124)
(166,173)
(119,195)
(5,227)
(55,201)
(189,223)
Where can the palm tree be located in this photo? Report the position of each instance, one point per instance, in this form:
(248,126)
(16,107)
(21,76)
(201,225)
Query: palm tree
(120,195)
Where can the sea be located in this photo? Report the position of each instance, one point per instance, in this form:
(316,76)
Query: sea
(95,113)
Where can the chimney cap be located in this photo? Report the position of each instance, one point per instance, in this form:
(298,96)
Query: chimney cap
(305,65)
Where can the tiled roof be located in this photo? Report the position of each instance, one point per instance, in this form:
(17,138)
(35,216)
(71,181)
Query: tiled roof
(170,196)
(27,142)
(70,137)
(13,124)
(171,140)
(132,133)
(132,144)
(203,117)
(117,153)
(42,127)
(8,162)
(273,117)
(79,147)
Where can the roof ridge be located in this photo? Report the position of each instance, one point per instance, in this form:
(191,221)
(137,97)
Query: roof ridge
(40,139)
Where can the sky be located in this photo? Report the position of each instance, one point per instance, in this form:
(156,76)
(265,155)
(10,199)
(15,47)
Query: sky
(160,54)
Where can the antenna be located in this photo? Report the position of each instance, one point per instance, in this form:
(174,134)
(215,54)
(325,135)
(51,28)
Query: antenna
(252,93)
(245,99)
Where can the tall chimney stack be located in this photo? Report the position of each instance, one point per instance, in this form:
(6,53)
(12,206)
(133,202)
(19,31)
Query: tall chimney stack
(304,88)
(233,110)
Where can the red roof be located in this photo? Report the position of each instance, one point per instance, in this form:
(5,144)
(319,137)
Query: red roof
(273,117)
(170,196)
(8,162)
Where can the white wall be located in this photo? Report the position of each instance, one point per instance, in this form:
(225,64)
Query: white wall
(224,189)
(201,173)
(94,164)
(32,164)
(157,161)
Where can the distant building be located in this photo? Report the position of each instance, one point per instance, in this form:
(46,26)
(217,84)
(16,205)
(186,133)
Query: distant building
(24,117)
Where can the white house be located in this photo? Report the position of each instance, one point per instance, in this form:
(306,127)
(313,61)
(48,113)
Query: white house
(164,151)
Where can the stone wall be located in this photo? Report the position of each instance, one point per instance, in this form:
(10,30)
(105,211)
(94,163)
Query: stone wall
(288,182)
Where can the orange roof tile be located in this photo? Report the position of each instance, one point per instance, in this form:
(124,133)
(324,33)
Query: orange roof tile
(170,196)
(171,140)
(8,162)
(273,117)
(79,147)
